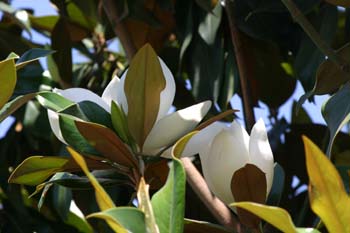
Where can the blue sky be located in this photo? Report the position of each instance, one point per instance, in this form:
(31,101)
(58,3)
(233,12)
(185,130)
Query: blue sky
(43,7)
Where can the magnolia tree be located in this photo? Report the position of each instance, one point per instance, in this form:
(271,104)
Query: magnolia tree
(146,139)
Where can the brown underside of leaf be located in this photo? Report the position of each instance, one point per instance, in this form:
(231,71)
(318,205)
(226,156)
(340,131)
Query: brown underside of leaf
(249,184)
(107,143)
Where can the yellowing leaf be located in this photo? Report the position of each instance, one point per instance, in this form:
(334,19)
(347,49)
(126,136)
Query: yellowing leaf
(103,199)
(276,216)
(327,194)
(146,207)
(8,79)
(143,85)
(180,145)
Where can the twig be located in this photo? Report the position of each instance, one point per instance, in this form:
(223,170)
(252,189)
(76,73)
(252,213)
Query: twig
(215,205)
(315,36)
(243,69)
(119,28)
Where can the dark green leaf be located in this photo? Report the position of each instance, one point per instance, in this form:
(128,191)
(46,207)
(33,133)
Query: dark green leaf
(53,101)
(208,28)
(32,55)
(336,112)
(62,198)
(120,123)
(277,186)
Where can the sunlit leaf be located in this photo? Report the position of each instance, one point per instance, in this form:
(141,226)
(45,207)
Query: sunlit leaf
(15,104)
(143,85)
(180,145)
(8,79)
(336,112)
(132,219)
(276,216)
(102,198)
(120,123)
(53,101)
(36,169)
(169,202)
(146,207)
(328,198)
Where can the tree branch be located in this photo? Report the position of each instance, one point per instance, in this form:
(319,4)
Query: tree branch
(315,36)
(119,28)
(243,69)
(215,205)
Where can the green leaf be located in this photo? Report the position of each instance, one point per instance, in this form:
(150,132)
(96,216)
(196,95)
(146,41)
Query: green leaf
(277,186)
(53,101)
(169,202)
(61,199)
(46,23)
(194,226)
(132,219)
(328,198)
(103,200)
(36,169)
(15,104)
(209,26)
(309,57)
(32,55)
(336,112)
(73,137)
(143,84)
(8,79)
(120,123)
(79,223)
(105,141)
(89,111)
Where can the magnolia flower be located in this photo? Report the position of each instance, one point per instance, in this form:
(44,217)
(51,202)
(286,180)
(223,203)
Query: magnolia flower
(225,149)
(167,128)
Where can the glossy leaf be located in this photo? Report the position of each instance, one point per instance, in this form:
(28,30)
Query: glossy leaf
(79,223)
(36,169)
(132,219)
(102,198)
(143,85)
(105,141)
(276,216)
(336,112)
(120,122)
(208,27)
(73,137)
(180,145)
(328,198)
(89,111)
(61,200)
(53,101)
(15,104)
(146,207)
(277,186)
(31,56)
(169,202)
(8,79)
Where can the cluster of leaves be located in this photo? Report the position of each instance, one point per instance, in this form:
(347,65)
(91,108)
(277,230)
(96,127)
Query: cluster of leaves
(193,38)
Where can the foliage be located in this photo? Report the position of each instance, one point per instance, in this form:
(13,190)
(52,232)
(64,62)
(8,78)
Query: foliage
(109,166)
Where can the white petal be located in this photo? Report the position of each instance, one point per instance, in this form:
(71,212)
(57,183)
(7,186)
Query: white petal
(81,94)
(172,127)
(111,91)
(240,134)
(260,151)
(227,155)
(166,96)
(55,125)
(203,138)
